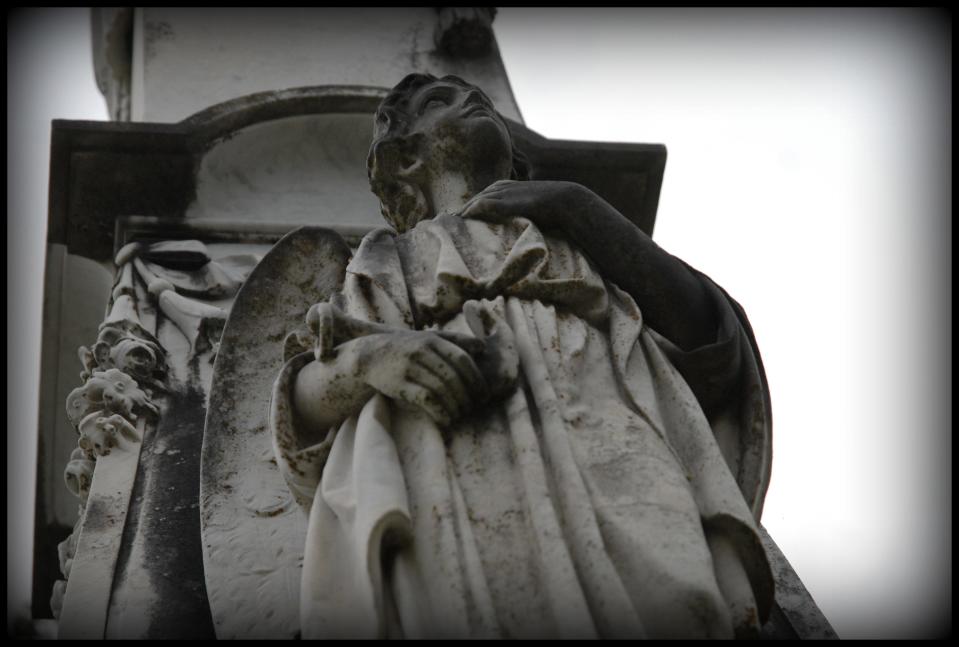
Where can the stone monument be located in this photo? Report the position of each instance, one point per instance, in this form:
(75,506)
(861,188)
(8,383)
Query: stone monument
(502,412)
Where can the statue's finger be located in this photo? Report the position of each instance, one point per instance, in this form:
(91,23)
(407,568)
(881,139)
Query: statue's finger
(500,185)
(472,345)
(422,398)
(483,207)
(473,209)
(442,382)
(460,387)
(465,366)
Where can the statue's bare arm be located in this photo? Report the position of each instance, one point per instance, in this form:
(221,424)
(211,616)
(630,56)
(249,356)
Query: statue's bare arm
(433,371)
(673,301)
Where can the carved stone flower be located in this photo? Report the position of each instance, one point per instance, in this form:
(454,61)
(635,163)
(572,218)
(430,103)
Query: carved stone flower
(80,404)
(126,346)
(121,393)
(89,362)
(112,391)
(99,434)
(134,357)
(56,598)
(79,473)
(66,549)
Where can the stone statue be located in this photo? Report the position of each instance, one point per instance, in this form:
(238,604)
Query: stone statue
(519,417)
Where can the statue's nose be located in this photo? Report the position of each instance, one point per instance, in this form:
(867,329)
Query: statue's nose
(475,97)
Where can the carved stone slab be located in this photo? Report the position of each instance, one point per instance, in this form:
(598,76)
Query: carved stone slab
(102,171)
(252,530)
(85,605)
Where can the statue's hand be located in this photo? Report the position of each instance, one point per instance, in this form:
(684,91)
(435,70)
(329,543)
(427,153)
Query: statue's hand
(431,370)
(548,204)
(499,362)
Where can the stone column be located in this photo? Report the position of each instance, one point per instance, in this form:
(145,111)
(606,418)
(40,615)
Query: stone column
(185,59)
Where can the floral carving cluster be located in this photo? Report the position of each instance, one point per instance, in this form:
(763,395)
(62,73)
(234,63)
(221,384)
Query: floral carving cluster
(105,410)
(126,347)
(124,361)
(127,366)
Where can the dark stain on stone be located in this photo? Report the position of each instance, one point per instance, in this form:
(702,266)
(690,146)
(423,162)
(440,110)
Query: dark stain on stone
(164,519)
(100,514)
(156,32)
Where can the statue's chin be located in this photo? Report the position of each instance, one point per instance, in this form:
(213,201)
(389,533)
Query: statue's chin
(490,144)
(408,222)
(477,147)
(411,209)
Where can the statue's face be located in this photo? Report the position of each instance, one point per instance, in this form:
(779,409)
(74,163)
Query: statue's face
(457,130)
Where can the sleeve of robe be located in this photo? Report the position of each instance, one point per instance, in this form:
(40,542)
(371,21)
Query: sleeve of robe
(347,479)
(727,380)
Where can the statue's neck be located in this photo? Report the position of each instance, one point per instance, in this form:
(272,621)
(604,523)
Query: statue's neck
(449,193)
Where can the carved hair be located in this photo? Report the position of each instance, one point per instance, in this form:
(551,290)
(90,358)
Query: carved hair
(402,201)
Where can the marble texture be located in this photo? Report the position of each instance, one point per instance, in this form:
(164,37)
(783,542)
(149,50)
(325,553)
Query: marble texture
(488,435)
(252,532)
(185,59)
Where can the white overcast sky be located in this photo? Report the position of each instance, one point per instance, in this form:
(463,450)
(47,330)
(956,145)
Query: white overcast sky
(809,174)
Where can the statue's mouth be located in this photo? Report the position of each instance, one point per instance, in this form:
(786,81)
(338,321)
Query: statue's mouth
(472,110)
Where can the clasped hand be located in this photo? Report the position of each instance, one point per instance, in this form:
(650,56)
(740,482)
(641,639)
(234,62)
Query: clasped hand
(432,370)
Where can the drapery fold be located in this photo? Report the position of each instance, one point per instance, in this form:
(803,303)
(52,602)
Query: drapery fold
(575,507)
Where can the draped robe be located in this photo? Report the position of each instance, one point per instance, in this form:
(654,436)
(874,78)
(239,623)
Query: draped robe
(576,505)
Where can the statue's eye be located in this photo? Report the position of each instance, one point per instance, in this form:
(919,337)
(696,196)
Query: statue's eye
(434,102)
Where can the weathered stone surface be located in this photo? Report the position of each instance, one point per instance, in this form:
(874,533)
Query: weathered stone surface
(110,412)
(305,169)
(113,57)
(465,31)
(76,293)
(102,172)
(132,571)
(184,290)
(159,589)
(185,59)
(85,604)
(490,438)
(252,530)
(242,173)
(151,571)
(795,615)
